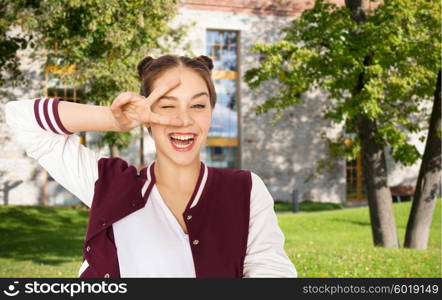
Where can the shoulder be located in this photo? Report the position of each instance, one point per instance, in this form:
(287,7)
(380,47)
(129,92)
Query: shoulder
(260,195)
(246,179)
(231,171)
(232,176)
(115,166)
(256,179)
(258,183)
(117,180)
(235,174)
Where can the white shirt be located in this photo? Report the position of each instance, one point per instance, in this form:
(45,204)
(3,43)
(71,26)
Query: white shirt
(158,236)
(150,242)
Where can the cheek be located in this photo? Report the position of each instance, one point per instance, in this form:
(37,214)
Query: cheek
(203,120)
(157,131)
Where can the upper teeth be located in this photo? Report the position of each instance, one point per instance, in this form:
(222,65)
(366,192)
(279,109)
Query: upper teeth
(182,137)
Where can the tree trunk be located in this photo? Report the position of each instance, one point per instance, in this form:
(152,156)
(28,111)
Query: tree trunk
(141,153)
(114,152)
(428,181)
(374,166)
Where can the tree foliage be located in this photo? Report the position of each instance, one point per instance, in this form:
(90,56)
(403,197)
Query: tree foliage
(10,45)
(320,49)
(104,39)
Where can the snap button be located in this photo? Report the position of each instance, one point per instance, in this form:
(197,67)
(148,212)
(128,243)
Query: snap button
(195,242)
(189,217)
(106,275)
(88,248)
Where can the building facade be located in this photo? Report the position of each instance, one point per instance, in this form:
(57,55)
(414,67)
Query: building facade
(284,155)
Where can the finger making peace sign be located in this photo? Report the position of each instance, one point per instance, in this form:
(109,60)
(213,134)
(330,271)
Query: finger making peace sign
(131,109)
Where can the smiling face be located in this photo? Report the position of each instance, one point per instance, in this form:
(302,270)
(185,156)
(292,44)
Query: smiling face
(190,102)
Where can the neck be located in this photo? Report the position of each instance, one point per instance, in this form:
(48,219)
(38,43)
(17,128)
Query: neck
(177,177)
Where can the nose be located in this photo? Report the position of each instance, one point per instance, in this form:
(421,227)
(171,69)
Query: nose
(185,117)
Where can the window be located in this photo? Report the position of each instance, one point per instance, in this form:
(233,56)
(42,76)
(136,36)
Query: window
(55,85)
(355,181)
(222,141)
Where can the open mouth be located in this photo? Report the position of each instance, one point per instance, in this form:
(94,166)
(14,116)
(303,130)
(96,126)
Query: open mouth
(182,141)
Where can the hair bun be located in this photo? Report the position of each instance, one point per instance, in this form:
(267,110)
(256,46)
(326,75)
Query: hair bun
(143,65)
(206,61)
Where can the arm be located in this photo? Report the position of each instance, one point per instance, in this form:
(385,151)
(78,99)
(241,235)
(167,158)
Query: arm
(44,128)
(265,256)
(85,117)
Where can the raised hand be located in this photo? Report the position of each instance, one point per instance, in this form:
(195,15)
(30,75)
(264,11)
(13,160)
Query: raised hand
(131,109)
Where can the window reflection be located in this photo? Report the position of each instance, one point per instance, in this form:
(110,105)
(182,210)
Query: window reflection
(225,116)
(222,142)
(220,157)
(222,48)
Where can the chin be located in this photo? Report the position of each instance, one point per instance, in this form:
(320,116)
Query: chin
(184,161)
(183,157)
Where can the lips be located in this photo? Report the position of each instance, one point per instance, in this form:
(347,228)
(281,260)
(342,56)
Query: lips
(182,141)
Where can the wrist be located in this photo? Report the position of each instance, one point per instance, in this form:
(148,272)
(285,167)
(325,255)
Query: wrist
(111,120)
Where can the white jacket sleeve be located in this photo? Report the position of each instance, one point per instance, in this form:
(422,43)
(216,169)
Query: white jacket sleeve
(36,126)
(265,255)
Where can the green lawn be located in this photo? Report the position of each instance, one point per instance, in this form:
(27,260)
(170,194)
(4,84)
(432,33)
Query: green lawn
(307,206)
(46,242)
(339,244)
(40,241)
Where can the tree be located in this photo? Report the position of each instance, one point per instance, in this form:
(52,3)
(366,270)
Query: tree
(10,45)
(368,62)
(104,40)
(428,181)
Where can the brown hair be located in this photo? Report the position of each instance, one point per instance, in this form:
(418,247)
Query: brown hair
(149,69)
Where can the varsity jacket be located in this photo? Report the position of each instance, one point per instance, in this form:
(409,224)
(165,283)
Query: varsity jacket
(218,226)
(232,228)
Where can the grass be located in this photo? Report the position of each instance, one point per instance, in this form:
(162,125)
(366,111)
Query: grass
(339,244)
(39,241)
(307,206)
(42,241)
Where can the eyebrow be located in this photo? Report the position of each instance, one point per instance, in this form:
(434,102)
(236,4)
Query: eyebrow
(193,97)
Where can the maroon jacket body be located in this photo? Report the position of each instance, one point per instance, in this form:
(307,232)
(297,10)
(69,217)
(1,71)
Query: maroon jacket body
(219,222)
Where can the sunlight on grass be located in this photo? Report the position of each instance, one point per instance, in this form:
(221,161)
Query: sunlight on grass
(339,244)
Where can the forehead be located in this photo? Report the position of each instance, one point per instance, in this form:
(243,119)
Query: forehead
(191,81)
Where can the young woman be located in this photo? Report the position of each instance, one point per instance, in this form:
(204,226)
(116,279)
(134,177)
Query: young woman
(176,217)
